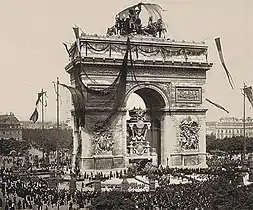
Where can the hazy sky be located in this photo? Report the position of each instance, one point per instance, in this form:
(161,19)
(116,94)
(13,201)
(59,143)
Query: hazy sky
(32,54)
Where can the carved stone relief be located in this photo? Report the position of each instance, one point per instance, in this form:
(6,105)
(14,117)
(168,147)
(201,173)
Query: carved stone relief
(103,142)
(189,134)
(189,94)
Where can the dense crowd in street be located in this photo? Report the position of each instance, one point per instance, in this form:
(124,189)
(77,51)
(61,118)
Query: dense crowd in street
(31,194)
(219,189)
(19,194)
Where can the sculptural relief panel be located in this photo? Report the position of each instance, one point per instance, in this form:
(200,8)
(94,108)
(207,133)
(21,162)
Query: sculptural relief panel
(188,95)
(188,133)
(103,142)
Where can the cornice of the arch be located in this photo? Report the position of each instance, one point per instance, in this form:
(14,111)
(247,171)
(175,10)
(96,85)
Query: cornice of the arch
(161,88)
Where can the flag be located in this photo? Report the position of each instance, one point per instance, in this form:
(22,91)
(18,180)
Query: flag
(217,105)
(66,47)
(39,96)
(249,94)
(79,104)
(46,97)
(230,79)
(35,115)
(76,31)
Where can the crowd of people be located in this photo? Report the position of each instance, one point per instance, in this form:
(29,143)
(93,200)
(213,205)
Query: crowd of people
(194,196)
(37,194)
(218,190)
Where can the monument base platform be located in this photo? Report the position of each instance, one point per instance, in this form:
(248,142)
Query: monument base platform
(188,160)
(102,162)
(137,159)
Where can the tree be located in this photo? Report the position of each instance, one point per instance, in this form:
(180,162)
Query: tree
(8,145)
(47,139)
(232,146)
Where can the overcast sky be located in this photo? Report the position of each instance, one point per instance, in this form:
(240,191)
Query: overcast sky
(32,54)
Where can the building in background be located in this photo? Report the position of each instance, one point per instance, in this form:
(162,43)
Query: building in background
(229,127)
(47,125)
(10,127)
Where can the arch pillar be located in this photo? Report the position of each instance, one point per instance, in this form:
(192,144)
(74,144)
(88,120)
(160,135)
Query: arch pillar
(202,143)
(168,138)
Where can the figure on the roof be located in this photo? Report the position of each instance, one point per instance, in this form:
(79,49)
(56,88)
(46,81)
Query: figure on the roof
(111,31)
(131,18)
(118,25)
(150,29)
(128,21)
(150,21)
(137,19)
(160,28)
(126,25)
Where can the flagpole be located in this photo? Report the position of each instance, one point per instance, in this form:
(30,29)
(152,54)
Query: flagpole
(58,120)
(244,126)
(42,109)
(42,117)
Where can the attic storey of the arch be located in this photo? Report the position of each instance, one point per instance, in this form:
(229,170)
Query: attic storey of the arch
(168,75)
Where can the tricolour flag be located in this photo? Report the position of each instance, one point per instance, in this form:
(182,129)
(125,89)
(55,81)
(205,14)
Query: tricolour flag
(217,105)
(249,93)
(218,45)
(35,116)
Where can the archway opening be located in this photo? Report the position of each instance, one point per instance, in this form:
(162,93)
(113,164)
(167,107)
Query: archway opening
(134,101)
(152,101)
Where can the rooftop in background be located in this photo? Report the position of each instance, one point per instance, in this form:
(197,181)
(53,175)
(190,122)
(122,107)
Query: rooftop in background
(47,125)
(9,119)
(229,127)
(234,119)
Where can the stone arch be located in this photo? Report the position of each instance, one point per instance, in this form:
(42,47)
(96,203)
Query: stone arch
(158,93)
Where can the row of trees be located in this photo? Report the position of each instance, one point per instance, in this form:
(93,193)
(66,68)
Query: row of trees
(46,140)
(231,146)
(11,146)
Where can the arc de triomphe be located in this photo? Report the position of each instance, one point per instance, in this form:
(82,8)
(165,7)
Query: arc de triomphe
(170,78)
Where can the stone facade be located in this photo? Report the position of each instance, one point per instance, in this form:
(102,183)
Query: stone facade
(172,85)
(230,127)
